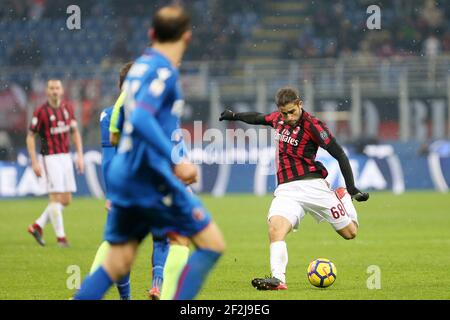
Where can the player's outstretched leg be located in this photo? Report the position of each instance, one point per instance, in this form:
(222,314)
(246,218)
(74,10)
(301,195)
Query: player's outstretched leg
(210,244)
(176,260)
(117,264)
(159,256)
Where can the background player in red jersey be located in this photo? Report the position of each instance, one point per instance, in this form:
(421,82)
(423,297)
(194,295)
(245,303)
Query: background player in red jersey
(301,180)
(53,121)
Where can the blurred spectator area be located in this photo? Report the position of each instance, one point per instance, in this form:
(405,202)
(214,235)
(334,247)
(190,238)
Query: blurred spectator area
(333,28)
(35,41)
(229,38)
(34,31)
(113,30)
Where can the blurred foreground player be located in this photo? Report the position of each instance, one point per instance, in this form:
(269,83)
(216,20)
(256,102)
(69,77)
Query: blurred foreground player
(53,121)
(108,152)
(302,187)
(146,194)
(169,253)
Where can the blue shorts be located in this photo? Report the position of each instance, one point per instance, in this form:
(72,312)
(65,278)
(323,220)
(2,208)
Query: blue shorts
(185,216)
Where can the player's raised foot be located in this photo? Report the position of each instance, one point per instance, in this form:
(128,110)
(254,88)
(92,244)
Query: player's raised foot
(62,242)
(36,231)
(269,284)
(154,294)
(125,298)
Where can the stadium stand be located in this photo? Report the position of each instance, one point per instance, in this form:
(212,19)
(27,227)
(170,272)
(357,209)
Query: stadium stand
(235,43)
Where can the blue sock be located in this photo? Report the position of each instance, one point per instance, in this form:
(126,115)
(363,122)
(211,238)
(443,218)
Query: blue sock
(123,285)
(160,251)
(94,286)
(194,273)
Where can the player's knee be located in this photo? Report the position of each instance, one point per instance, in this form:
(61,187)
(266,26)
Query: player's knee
(273,231)
(126,267)
(349,232)
(65,199)
(354,230)
(278,229)
(66,202)
(217,244)
(210,238)
(350,235)
(123,265)
(119,260)
(219,247)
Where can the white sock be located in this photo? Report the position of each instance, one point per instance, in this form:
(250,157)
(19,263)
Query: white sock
(44,218)
(350,208)
(278,260)
(57,219)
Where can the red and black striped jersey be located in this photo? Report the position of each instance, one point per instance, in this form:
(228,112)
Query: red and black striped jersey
(297,146)
(53,126)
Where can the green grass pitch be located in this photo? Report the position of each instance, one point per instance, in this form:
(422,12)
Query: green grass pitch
(406,236)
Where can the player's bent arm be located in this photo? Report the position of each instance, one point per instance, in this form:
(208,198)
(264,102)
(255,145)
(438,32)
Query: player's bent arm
(145,124)
(247,117)
(344,164)
(336,151)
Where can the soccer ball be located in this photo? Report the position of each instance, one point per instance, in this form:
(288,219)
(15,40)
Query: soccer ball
(322,273)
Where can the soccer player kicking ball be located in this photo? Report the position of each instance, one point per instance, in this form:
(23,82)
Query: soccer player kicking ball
(301,180)
(146,193)
(53,121)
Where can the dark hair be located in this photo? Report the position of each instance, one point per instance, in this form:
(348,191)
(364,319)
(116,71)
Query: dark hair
(53,79)
(169,23)
(123,73)
(285,96)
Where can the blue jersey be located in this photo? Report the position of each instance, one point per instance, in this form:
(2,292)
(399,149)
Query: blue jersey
(153,106)
(108,150)
(105,120)
(146,196)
